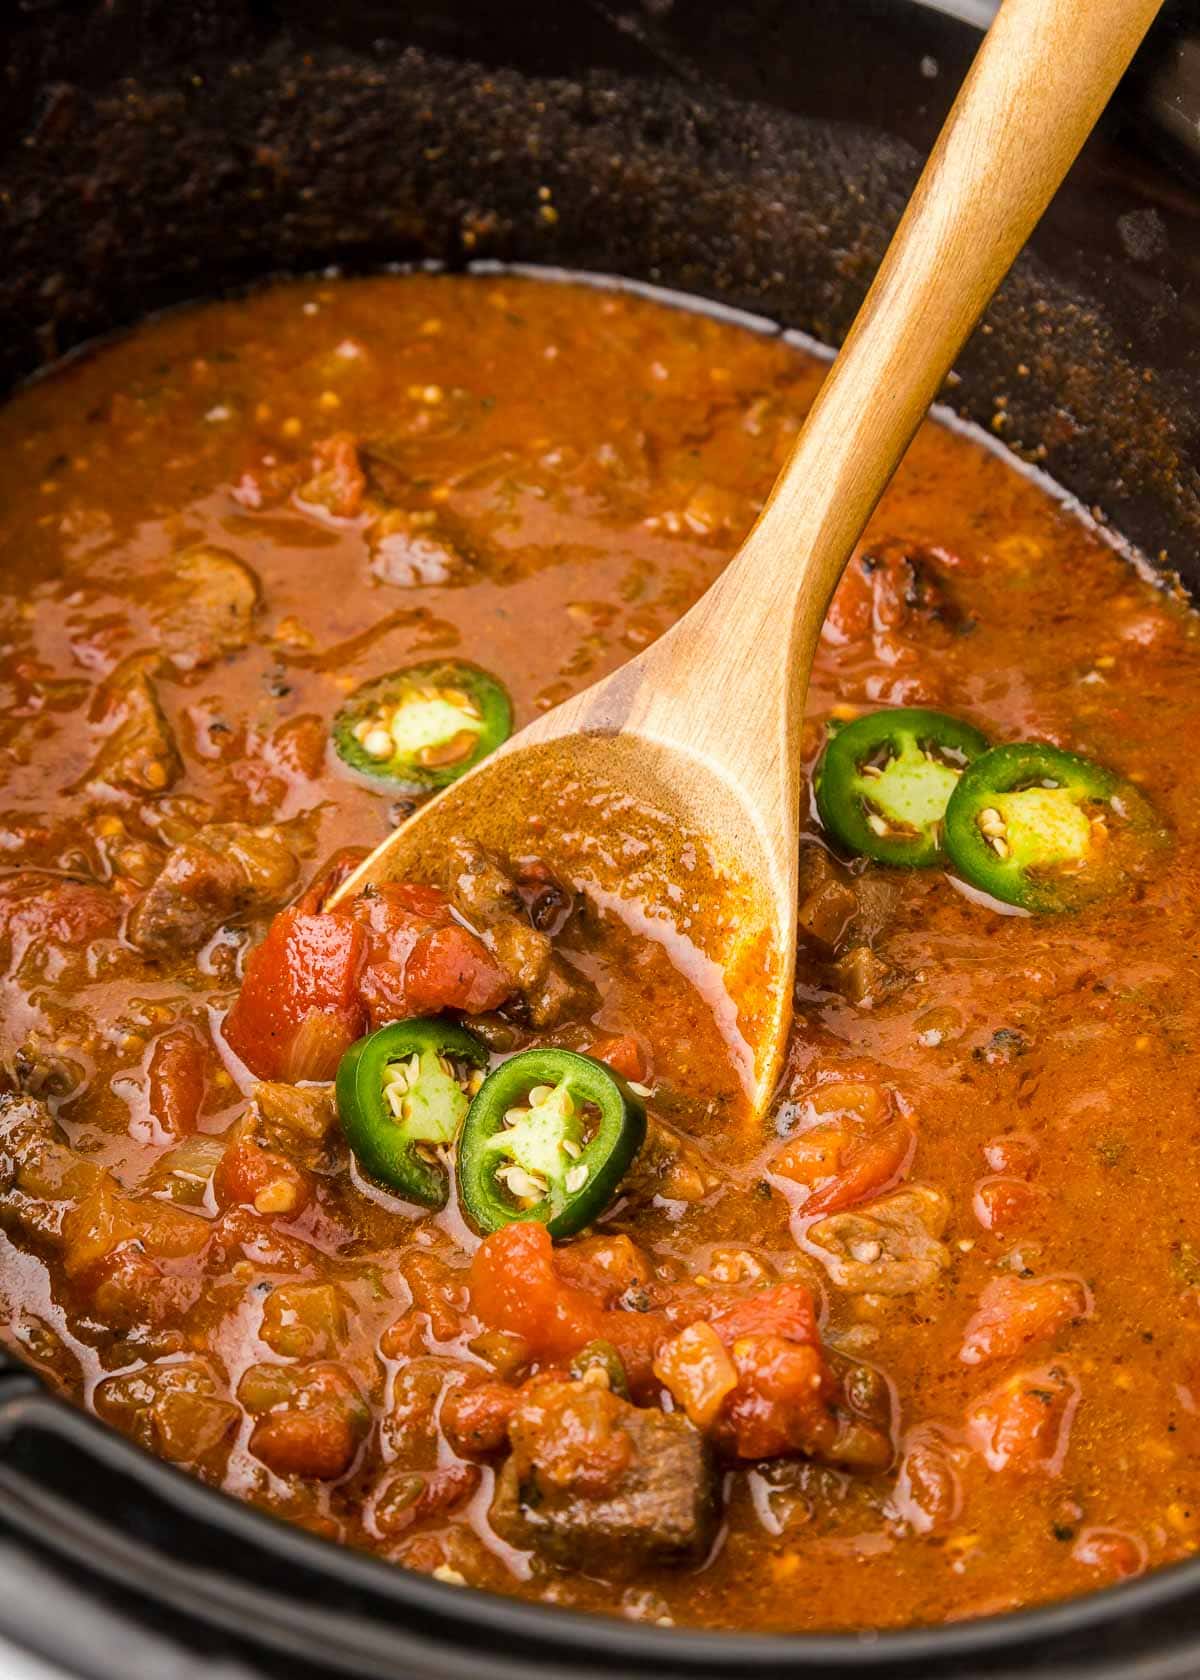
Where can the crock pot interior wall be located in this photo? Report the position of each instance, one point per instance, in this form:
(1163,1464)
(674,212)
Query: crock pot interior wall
(156,152)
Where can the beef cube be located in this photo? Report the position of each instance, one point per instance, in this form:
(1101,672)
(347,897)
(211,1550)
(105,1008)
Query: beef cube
(551,990)
(207,608)
(594,1483)
(225,871)
(139,755)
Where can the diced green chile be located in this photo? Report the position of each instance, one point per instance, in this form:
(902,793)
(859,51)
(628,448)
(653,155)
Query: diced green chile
(602,1356)
(1034,826)
(883,783)
(422,727)
(397,1104)
(558,1159)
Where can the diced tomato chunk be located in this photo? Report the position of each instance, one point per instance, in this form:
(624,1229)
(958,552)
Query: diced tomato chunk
(866,1170)
(784,1309)
(308,965)
(36,908)
(339,482)
(420,960)
(515,1286)
(1024,1423)
(176,1080)
(698,1372)
(259,1178)
(1111,1553)
(1014,1311)
(1006,1204)
(452,969)
(322,977)
(625,1055)
(782,1401)
(606,1266)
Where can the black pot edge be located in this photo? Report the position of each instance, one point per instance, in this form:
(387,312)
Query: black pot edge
(236,1576)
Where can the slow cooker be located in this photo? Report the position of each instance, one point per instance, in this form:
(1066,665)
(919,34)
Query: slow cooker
(757,153)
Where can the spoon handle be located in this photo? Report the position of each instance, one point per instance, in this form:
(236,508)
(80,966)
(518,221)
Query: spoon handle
(1038,84)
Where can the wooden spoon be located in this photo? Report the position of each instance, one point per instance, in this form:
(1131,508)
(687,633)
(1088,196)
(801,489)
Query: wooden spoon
(688,757)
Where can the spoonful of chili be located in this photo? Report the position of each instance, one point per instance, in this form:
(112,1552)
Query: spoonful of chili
(682,769)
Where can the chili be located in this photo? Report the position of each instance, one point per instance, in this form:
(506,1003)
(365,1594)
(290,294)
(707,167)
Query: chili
(402,1095)
(424,726)
(883,782)
(1034,826)
(549,1137)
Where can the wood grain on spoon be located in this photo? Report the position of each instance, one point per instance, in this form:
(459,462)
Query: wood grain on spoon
(692,750)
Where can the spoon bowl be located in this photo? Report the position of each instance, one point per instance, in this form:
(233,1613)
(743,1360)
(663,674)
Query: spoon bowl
(670,791)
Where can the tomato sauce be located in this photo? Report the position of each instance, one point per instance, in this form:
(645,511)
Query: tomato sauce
(917,1346)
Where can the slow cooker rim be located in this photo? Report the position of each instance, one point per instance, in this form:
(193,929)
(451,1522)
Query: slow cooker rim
(534,1629)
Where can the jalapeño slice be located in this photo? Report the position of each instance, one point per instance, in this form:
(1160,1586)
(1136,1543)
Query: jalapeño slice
(549,1137)
(423,726)
(1042,828)
(402,1096)
(883,782)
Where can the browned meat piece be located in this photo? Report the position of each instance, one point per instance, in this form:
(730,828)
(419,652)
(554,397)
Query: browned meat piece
(863,977)
(906,587)
(597,1484)
(552,991)
(889,1247)
(207,608)
(671,1165)
(301,1113)
(837,909)
(118,1251)
(140,755)
(827,902)
(876,898)
(40,1174)
(225,871)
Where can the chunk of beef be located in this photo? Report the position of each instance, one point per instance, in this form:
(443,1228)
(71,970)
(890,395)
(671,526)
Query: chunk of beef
(888,590)
(864,978)
(670,1165)
(597,1484)
(139,756)
(40,1174)
(551,990)
(225,871)
(120,1252)
(207,608)
(888,1247)
(296,1119)
(827,903)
